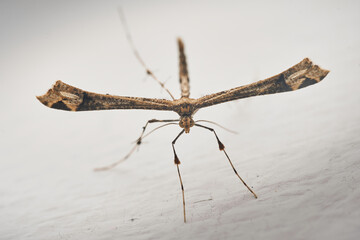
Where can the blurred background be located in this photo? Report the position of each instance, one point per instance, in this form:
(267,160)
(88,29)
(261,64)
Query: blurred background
(299,150)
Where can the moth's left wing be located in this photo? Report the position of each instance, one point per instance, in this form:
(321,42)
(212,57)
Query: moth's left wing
(299,76)
(65,97)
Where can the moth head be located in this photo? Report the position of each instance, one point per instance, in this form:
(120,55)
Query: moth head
(186,123)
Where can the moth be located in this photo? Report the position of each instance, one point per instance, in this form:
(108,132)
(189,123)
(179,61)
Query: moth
(65,97)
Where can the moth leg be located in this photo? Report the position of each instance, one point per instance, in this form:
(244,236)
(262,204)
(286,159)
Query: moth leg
(177,162)
(137,143)
(222,148)
(137,55)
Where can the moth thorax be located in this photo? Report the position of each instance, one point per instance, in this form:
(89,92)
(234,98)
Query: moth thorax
(186,123)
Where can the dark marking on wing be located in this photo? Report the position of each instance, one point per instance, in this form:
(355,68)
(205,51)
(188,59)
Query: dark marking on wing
(65,97)
(307,82)
(281,84)
(60,105)
(299,76)
(86,102)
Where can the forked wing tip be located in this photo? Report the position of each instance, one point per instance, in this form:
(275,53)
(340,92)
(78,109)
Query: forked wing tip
(42,99)
(314,70)
(55,98)
(319,73)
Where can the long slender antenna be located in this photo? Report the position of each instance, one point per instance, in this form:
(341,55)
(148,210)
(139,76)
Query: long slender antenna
(222,148)
(153,130)
(215,123)
(138,142)
(117,162)
(153,121)
(136,53)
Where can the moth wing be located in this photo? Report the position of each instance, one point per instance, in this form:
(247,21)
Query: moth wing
(298,76)
(65,97)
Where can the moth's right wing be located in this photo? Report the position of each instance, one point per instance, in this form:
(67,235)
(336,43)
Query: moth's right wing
(65,97)
(298,76)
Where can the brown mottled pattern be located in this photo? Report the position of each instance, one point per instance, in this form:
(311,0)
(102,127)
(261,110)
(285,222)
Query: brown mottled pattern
(184,77)
(65,97)
(301,75)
